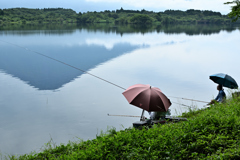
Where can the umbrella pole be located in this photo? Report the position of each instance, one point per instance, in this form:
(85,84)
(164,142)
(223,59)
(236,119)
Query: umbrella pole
(142,117)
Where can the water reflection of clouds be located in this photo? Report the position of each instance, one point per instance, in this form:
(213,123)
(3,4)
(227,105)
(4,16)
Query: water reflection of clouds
(149,40)
(79,108)
(201,54)
(78,38)
(89,38)
(188,64)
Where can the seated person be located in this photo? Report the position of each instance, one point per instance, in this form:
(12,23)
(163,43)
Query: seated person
(220,97)
(159,115)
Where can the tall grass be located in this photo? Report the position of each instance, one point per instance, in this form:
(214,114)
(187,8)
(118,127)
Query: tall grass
(211,133)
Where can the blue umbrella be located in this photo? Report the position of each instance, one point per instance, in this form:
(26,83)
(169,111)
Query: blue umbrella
(224,80)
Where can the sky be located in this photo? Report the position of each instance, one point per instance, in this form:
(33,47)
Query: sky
(101,5)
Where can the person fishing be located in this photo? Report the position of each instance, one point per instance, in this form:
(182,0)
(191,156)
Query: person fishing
(220,97)
(159,115)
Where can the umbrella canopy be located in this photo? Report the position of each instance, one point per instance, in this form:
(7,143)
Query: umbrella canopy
(147,98)
(225,80)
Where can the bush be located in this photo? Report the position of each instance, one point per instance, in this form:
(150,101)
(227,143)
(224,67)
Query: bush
(141,19)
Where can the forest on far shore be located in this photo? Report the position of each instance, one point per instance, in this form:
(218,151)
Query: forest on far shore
(121,16)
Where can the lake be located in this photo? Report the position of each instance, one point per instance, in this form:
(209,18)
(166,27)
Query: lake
(42,99)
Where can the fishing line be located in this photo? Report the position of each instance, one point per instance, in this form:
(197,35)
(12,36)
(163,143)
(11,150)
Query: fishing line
(188,99)
(88,72)
(123,115)
(63,63)
(181,104)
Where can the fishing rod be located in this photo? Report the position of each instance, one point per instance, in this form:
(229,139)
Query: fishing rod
(189,99)
(181,104)
(124,115)
(63,63)
(86,71)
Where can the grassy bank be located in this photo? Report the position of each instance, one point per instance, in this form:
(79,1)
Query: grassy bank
(211,133)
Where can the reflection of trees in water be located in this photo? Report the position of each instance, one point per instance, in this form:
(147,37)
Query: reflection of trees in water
(119,29)
(195,29)
(177,29)
(38,29)
(168,29)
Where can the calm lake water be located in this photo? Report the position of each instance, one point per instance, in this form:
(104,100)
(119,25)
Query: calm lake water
(41,99)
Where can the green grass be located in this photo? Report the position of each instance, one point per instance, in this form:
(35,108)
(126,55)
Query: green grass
(211,133)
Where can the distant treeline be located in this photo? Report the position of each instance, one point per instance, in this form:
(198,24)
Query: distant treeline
(121,16)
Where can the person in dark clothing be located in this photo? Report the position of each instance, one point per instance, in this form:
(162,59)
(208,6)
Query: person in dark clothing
(159,115)
(221,95)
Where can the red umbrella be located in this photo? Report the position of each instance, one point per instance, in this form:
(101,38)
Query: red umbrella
(147,98)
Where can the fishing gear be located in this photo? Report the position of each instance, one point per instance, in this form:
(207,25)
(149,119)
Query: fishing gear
(189,99)
(90,73)
(124,115)
(63,63)
(181,104)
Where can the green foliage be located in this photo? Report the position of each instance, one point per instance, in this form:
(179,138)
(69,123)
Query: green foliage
(193,12)
(212,133)
(63,16)
(1,12)
(235,13)
(121,21)
(141,19)
(126,11)
(211,13)
(46,15)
